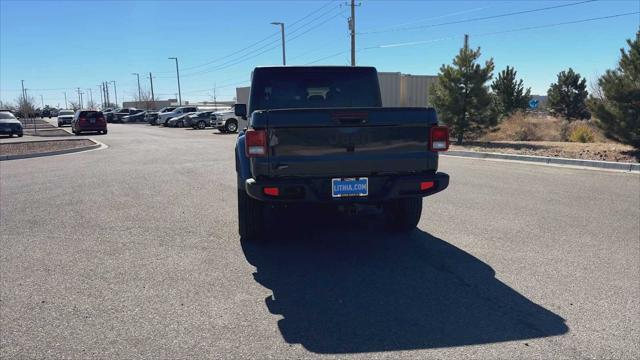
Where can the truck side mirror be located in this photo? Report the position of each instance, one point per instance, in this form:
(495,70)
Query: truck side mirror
(240,110)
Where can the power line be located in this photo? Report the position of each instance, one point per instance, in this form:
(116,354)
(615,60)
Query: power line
(428,19)
(262,40)
(526,28)
(247,57)
(479,18)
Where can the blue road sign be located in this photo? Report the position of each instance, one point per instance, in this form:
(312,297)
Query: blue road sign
(533,104)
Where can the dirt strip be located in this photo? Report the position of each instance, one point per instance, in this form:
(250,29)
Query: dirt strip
(36,147)
(584,151)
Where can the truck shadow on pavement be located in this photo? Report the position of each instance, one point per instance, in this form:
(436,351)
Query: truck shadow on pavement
(351,287)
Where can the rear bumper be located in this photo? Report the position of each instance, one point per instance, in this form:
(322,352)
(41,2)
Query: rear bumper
(318,190)
(8,131)
(91,128)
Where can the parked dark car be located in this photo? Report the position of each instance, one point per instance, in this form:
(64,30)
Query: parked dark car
(178,121)
(9,124)
(320,136)
(89,120)
(117,117)
(135,117)
(65,117)
(109,114)
(152,116)
(199,120)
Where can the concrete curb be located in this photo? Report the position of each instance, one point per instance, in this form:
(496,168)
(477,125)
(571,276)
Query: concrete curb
(95,145)
(609,165)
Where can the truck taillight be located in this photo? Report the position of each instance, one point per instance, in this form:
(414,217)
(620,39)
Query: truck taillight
(439,138)
(256,143)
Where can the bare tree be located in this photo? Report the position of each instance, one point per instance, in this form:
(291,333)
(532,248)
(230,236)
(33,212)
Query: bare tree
(7,106)
(26,106)
(74,105)
(144,100)
(91,105)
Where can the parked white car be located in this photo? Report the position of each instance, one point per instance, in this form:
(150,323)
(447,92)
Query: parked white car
(163,118)
(225,121)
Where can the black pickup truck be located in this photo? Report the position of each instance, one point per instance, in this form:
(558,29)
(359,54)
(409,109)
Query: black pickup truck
(320,135)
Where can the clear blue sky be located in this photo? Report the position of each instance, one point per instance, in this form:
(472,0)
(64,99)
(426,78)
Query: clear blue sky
(57,46)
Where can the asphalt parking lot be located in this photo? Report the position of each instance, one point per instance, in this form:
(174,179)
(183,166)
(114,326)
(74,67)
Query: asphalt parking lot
(133,252)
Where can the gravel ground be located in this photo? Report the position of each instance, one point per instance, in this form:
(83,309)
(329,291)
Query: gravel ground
(35,147)
(587,151)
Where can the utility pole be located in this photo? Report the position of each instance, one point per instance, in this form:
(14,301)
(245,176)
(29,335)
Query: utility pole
(153,98)
(466,41)
(352,27)
(65,100)
(79,98)
(178,75)
(101,96)
(42,101)
(90,96)
(139,93)
(115,92)
(215,101)
(104,96)
(284,57)
(106,91)
(24,95)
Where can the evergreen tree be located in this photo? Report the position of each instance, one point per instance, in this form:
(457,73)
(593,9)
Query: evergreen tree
(461,95)
(567,96)
(617,109)
(509,92)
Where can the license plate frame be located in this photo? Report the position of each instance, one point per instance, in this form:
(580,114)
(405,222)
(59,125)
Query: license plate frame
(349,187)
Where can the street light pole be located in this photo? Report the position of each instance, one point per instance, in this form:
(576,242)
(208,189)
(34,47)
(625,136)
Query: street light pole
(65,100)
(178,75)
(284,57)
(139,93)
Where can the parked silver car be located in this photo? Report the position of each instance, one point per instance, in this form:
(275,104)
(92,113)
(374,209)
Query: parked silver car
(65,117)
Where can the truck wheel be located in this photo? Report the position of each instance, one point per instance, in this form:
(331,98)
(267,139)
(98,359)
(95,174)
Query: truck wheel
(231,125)
(403,214)
(250,217)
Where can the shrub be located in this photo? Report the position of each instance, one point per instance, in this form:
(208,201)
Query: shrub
(581,133)
(526,127)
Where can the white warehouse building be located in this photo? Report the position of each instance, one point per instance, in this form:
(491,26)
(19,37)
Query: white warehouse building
(397,89)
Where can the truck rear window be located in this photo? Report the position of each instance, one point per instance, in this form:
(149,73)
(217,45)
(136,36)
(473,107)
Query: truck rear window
(318,88)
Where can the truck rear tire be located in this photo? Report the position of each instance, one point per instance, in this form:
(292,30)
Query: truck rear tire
(403,214)
(250,217)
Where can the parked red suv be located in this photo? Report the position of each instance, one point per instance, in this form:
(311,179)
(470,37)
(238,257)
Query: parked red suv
(88,120)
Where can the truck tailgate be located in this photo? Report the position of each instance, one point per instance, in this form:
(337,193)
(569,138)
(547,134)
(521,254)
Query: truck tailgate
(343,142)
